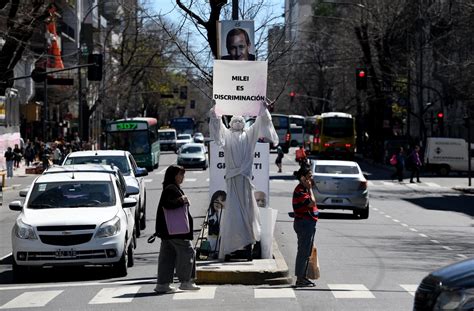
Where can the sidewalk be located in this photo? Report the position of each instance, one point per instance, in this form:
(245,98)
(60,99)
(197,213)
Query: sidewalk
(259,271)
(11,183)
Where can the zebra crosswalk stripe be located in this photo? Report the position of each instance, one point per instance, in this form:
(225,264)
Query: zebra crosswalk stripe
(350,291)
(122,294)
(410,288)
(206,292)
(32,299)
(274,293)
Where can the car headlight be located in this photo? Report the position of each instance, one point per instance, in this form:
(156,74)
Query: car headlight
(24,231)
(455,300)
(109,228)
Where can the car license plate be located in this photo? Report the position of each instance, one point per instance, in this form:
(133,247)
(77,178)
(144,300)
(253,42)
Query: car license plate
(336,201)
(65,253)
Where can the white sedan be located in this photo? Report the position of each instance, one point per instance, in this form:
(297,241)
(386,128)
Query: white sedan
(73,219)
(183,139)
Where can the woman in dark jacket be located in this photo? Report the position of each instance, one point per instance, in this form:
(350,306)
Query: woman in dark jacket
(176,250)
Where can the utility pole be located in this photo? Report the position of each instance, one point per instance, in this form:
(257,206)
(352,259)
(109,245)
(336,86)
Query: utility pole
(235,10)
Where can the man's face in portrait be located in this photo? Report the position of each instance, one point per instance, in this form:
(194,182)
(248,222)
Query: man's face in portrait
(238,48)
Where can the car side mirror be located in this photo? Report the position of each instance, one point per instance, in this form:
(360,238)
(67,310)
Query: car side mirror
(16,205)
(24,192)
(129,203)
(132,191)
(140,172)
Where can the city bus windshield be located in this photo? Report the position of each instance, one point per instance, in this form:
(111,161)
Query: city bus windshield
(136,142)
(338,127)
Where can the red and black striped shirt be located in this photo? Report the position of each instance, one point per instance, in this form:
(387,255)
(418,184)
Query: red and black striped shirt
(301,204)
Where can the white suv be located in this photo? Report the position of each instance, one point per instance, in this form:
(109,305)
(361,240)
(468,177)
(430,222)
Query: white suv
(73,218)
(130,170)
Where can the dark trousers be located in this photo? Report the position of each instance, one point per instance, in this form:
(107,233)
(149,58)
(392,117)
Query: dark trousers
(415,171)
(398,173)
(305,230)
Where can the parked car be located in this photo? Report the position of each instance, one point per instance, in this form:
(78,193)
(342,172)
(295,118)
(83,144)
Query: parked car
(198,137)
(340,185)
(448,288)
(73,219)
(183,139)
(133,175)
(193,155)
(167,139)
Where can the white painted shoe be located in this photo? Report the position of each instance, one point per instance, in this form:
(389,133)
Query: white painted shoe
(189,286)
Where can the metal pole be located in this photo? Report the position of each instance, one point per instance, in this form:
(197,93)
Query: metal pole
(469,169)
(235,10)
(79,95)
(45,110)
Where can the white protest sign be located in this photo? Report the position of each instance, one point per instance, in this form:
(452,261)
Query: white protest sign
(260,169)
(239,87)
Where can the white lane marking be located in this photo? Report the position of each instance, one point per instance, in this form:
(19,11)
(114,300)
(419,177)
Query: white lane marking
(386,183)
(375,209)
(447,248)
(422,235)
(207,179)
(63,285)
(404,225)
(16,186)
(412,185)
(435,241)
(396,220)
(371,183)
(388,216)
(410,288)
(382,213)
(198,172)
(190,179)
(413,229)
(115,295)
(432,184)
(278,180)
(206,292)
(148,180)
(461,256)
(32,299)
(274,293)
(350,291)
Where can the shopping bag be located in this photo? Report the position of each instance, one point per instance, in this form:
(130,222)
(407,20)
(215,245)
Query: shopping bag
(393,160)
(177,221)
(313,271)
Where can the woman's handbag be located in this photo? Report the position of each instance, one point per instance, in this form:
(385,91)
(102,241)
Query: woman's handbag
(177,221)
(313,265)
(393,160)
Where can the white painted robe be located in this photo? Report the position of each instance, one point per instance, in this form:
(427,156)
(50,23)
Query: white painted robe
(240,223)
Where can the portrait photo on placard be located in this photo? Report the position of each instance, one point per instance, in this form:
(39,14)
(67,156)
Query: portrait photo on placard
(236,40)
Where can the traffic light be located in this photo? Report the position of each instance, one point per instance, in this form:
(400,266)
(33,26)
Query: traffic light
(361,79)
(292,96)
(94,71)
(440,119)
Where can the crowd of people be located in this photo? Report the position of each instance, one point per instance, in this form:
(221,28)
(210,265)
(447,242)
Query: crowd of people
(412,162)
(42,153)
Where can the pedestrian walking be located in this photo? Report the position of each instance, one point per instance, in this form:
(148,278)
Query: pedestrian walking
(18,155)
(29,154)
(176,251)
(305,219)
(279,158)
(9,158)
(415,164)
(398,161)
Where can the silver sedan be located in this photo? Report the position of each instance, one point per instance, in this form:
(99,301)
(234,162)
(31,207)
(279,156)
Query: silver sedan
(340,185)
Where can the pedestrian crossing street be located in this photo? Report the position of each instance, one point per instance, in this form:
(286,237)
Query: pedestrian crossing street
(36,298)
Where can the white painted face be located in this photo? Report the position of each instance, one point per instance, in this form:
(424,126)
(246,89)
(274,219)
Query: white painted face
(237,123)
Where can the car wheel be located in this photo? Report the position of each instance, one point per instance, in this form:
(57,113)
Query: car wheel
(137,224)
(444,170)
(143,218)
(131,254)
(20,273)
(120,268)
(365,213)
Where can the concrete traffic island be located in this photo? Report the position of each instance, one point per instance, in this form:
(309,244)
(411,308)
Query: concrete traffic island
(259,271)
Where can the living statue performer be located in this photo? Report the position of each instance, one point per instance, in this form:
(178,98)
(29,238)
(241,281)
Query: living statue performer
(240,225)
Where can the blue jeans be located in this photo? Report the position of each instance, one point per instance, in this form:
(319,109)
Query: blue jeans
(305,230)
(10,168)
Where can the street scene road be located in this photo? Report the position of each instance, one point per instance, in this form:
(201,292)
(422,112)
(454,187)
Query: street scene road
(366,264)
